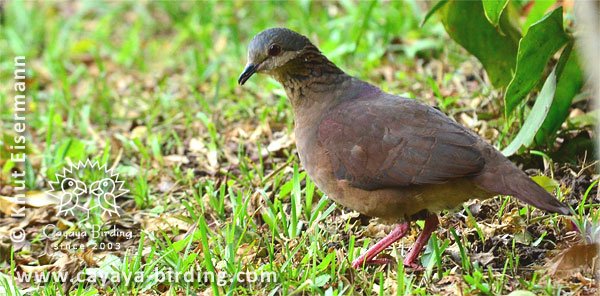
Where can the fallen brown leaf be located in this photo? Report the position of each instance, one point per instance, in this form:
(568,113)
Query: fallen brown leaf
(573,259)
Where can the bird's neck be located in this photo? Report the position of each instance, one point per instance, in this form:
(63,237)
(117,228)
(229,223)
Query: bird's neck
(307,76)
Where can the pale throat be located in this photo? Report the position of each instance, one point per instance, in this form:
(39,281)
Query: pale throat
(309,78)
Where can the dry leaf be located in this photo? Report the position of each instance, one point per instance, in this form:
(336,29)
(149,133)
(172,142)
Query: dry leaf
(175,160)
(213,159)
(36,269)
(165,185)
(196,145)
(39,199)
(165,223)
(138,132)
(36,199)
(573,259)
(7,203)
(283,141)
(483,258)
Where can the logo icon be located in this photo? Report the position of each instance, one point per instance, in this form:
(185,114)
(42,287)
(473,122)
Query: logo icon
(73,193)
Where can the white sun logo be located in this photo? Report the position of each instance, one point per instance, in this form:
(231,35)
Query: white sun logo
(72,192)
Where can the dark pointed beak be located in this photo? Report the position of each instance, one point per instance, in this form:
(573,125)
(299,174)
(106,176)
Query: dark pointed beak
(247,73)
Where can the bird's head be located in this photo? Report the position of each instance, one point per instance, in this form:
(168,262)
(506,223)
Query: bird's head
(272,49)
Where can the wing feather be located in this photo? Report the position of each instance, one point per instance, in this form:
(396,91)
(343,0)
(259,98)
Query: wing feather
(393,141)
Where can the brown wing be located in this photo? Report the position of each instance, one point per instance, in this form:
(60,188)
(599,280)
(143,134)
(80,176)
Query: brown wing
(392,141)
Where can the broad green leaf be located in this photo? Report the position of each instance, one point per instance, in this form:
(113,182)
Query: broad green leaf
(432,11)
(537,12)
(569,82)
(509,26)
(493,9)
(546,182)
(496,49)
(542,41)
(536,117)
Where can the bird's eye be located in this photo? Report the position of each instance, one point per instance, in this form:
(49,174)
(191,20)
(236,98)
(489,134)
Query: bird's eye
(105,183)
(274,50)
(71,183)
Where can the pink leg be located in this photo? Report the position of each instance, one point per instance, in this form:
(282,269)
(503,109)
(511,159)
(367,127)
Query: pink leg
(389,239)
(431,224)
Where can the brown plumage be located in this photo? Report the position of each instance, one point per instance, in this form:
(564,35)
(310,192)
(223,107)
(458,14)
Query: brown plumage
(383,155)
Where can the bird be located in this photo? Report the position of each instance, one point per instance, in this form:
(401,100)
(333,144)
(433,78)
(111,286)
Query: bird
(104,191)
(71,191)
(380,154)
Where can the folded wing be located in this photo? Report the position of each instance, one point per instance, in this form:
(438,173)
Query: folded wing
(392,141)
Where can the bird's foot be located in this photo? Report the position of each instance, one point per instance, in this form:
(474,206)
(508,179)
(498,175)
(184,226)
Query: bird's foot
(412,265)
(430,225)
(368,257)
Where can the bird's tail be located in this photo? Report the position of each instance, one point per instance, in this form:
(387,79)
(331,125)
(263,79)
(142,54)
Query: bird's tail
(530,192)
(502,177)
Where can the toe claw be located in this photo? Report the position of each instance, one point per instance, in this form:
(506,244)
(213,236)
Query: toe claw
(413,265)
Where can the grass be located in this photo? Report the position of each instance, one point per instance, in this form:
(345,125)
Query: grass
(215,184)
